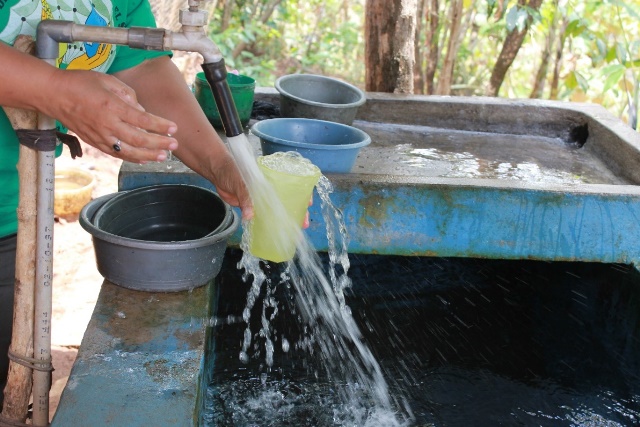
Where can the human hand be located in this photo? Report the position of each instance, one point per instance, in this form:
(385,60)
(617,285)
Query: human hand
(104,112)
(305,223)
(230,185)
(160,87)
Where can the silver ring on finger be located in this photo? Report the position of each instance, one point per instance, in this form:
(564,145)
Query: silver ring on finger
(118,145)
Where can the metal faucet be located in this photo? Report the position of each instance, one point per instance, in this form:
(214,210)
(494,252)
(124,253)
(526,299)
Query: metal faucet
(191,37)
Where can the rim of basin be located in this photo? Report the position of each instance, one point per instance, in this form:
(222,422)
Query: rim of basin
(89,210)
(315,123)
(314,77)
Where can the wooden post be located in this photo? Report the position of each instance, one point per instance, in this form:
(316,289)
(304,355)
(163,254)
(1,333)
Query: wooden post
(18,389)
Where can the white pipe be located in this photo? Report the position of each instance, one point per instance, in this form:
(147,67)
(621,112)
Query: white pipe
(44,277)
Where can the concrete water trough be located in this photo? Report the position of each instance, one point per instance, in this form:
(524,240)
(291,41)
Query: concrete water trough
(443,177)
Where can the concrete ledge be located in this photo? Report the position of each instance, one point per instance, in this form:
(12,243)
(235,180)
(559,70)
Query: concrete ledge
(466,217)
(143,361)
(398,214)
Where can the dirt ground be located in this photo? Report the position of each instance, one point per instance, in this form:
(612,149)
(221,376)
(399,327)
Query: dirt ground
(76,281)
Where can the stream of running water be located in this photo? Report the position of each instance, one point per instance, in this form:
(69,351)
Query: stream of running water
(328,332)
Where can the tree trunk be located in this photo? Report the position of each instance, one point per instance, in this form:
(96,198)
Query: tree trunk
(555,81)
(541,75)
(389,45)
(510,48)
(500,10)
(19,382)
(454,24)
(457,29)
(432,43)
(226,14)
(418,73)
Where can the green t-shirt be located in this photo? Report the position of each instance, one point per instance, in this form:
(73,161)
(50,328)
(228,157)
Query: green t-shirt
(22,17)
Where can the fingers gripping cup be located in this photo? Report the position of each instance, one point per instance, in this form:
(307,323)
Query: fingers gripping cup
(276,227)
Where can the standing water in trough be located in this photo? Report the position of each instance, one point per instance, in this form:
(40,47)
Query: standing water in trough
(318,322)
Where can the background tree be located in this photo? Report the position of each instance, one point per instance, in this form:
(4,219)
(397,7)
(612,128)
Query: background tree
(389,45)
(521,18)
(571,50)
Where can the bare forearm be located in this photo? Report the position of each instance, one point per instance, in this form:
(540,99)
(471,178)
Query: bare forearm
(75,97)
(161,89)
(26,80)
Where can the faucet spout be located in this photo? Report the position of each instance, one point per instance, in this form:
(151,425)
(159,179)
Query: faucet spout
(216,75)
(191,38)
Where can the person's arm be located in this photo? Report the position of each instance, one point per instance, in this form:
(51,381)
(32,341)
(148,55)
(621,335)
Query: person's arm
(99,108)
(161,89)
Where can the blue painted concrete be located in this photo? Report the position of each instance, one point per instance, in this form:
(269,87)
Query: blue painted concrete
(599,224)
(468,218)
(144,361)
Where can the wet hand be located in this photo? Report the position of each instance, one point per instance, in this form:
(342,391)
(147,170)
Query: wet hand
(230,185)
(104,113)
(305,223)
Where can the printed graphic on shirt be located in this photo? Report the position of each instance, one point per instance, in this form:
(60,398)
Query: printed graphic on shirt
(25,15)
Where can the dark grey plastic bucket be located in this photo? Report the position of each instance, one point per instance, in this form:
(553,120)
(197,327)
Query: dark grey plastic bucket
(318,97)
(163,213)
(154,265)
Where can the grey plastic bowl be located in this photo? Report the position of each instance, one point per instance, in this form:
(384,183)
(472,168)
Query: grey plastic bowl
(163,213)
(157,266)
(318,97)
(333,147)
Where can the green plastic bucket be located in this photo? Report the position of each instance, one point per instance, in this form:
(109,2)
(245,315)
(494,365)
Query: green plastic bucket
(242,89)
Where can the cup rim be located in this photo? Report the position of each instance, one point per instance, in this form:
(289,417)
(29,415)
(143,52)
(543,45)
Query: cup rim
(316,175)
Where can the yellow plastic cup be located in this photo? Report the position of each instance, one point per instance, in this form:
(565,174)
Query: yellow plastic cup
(275,229)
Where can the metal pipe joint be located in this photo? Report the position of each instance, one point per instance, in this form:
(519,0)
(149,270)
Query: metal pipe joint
(191,38)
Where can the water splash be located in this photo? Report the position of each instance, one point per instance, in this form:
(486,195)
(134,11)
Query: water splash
(330,333)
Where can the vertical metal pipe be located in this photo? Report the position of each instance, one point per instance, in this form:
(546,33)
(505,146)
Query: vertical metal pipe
(44,278)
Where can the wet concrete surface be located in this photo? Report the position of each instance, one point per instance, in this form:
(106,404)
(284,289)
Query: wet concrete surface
(435,152)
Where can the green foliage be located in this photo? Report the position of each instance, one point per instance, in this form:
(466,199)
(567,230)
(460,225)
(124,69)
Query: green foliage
(600,59)
(315,36)
(517,16)
(609,34)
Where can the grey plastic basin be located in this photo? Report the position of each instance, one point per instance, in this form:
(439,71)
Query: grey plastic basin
(318,97)
(151,258)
